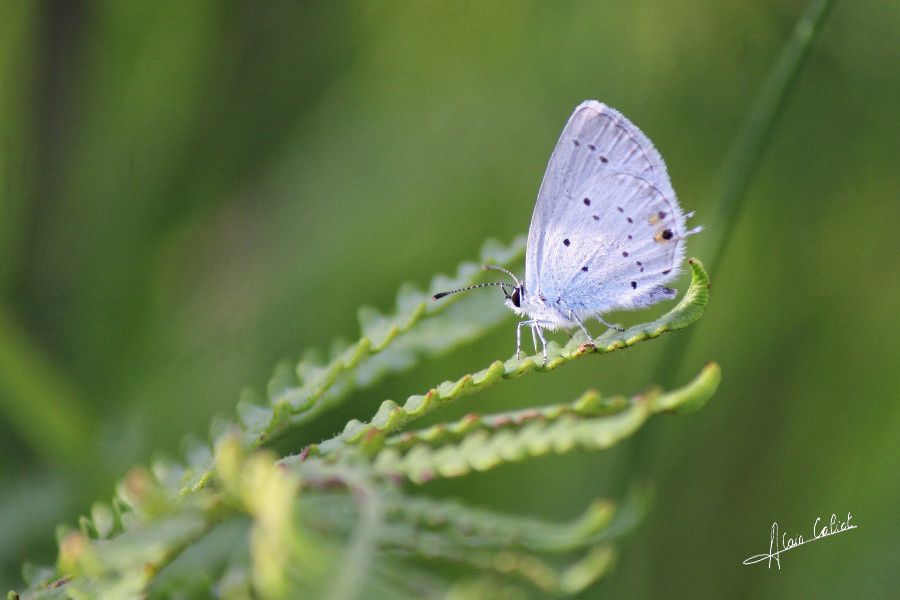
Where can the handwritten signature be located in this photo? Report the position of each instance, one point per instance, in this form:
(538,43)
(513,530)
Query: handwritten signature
(778,545)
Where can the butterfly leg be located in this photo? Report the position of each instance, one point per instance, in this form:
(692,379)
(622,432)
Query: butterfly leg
(610,325)
(519,326)
(575,318)
(534,335)
(536,328)
(519,338)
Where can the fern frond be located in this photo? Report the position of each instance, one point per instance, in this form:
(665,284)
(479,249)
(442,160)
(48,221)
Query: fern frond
(300,396)
(336,517)
(391,417)
(474,527)
(388,344)
(483,449)
(591,403)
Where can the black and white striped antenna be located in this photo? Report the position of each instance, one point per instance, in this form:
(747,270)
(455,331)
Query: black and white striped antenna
(502,284)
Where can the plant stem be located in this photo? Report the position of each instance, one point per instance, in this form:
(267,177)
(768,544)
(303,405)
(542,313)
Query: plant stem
(740,165)
(745,154)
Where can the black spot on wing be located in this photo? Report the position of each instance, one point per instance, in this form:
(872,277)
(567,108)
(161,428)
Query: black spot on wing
(664,235)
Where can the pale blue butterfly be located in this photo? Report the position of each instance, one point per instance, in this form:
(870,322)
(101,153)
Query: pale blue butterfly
(607,232)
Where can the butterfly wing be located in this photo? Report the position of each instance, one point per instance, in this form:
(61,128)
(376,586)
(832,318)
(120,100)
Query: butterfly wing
(616,251)
(596,140)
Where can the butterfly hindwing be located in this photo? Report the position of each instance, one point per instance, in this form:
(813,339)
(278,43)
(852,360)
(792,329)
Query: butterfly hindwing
(613,246)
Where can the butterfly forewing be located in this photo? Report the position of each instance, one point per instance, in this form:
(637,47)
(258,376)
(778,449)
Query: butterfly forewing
(597,140)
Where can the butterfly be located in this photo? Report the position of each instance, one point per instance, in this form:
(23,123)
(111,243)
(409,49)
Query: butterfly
(606,234)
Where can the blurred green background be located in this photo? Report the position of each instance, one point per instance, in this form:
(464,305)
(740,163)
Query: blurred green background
(191,191)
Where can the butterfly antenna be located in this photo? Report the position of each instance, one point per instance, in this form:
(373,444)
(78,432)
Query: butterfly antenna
(502,284)
(501,269)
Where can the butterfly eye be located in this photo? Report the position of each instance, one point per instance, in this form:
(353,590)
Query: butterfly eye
(516,297)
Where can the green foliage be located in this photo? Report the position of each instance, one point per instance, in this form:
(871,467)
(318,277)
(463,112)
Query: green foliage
(340,520)
(514,437)
(190,192)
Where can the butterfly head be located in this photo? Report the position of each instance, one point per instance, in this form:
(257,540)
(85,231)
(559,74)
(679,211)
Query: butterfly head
(515,300)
